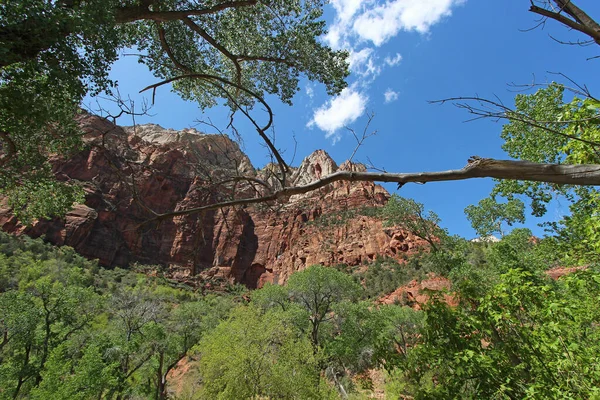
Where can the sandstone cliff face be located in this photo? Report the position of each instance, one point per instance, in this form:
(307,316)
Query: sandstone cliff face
(129,171)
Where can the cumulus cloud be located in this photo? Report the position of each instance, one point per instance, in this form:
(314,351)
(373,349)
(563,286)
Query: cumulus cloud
(345,10)
(381,23)
(378,22)
(358,58)
(362,26)
(339,111)
(390,96)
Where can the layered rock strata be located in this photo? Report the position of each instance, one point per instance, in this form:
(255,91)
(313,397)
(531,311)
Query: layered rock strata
(131,173)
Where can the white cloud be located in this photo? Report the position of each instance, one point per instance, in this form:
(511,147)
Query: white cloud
(335,38)
(310,91)
(346,9)
(390,96)
(381,23)
(393,61)
(377,21)
(339,112)
(358,58)
(363,63)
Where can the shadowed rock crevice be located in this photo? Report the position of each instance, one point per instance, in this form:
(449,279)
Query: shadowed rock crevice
(175,170)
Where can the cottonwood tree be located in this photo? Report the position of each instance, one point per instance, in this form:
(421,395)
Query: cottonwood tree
(258,355)
(489,216)
(411,216)
(53,53)
(317,289)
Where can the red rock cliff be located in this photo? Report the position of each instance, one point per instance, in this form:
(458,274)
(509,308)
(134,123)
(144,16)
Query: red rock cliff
(169,170)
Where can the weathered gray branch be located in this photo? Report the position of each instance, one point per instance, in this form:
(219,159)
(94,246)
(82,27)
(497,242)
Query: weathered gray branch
(562,174)
(581,21)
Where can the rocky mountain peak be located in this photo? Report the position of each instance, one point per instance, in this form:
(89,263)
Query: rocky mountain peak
(173,170)
(314,167)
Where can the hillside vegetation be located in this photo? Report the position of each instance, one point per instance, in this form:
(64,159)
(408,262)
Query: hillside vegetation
(72,330)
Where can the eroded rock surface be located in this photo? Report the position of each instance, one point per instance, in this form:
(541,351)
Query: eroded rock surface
(131,173)
(415,293)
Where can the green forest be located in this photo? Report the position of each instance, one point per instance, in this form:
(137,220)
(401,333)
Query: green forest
(518,317)
(73,330)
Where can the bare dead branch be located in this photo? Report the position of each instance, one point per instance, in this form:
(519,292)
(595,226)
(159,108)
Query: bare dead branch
(371,166)
(261,130)
(509,114)
(365,135)
(561,174)
(578,20)
(580,43)
(577,88)
(124,106)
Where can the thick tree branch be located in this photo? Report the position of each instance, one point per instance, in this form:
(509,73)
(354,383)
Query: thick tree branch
(581,22)
(577,13)
(561,174)
(193,26)
(167,49)
(137,13)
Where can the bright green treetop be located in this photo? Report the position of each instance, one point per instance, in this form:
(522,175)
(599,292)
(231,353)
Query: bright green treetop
(488,216)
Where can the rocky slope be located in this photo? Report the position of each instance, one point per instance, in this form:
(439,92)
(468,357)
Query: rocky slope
(127,172)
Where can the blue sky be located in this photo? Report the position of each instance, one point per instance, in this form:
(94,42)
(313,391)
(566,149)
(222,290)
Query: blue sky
(403,54)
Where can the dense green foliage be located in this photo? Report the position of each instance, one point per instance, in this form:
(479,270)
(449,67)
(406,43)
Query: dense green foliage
(527,337)
(72,330)
(255,354)
(545,128)
(53,53)
(52,56)
(488,216)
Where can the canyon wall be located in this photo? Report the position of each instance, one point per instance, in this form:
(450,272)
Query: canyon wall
(131,173)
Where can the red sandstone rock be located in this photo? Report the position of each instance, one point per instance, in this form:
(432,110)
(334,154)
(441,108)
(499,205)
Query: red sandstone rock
(557,272)
(414,293)
(169,170)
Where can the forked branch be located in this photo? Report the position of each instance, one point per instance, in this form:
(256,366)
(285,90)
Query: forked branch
(212,79)
(568,14)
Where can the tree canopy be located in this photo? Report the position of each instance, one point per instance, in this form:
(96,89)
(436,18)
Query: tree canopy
(54,53)
(236,52)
